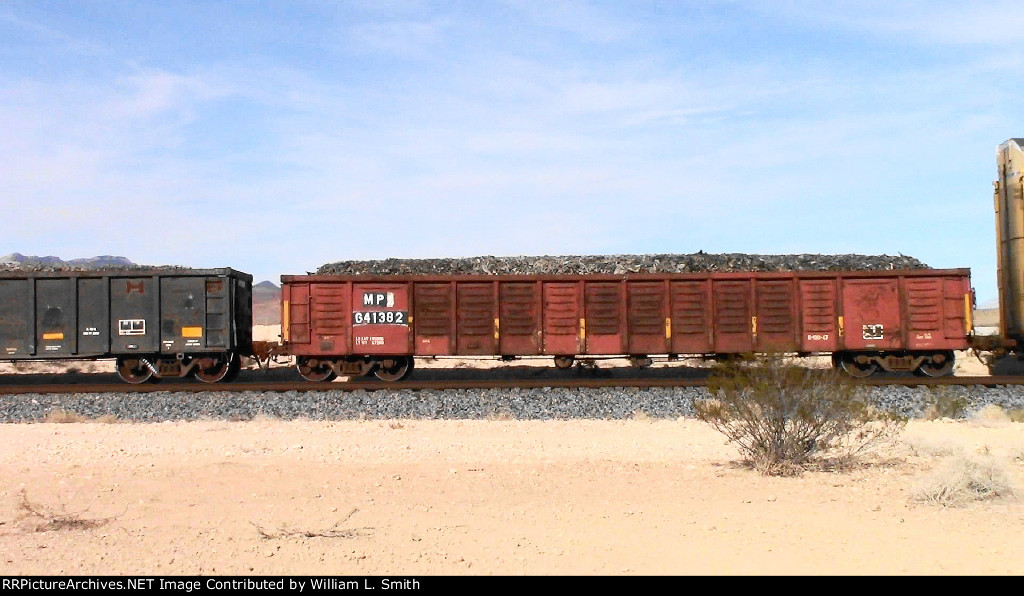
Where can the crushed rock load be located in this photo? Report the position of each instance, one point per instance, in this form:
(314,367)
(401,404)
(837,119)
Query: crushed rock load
(45,268)
(620,264)
(17,262)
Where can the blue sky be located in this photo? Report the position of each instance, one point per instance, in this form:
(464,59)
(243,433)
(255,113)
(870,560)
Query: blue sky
(274,137)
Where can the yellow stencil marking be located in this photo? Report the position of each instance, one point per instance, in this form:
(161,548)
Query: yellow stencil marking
(968,314)
(285,330)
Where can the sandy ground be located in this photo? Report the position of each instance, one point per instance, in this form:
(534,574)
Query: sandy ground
(484,497)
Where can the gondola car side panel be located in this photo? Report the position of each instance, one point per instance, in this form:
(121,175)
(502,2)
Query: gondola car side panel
(379,319)
(93,295)
(55,317)
(819,315)
(17,323)
(134,314)
(872,314)
(519,322)
(434,318)
(563,318)
(330,327)
(183,319)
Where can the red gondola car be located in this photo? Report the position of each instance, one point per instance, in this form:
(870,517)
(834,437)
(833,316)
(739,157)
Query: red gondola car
(909,320)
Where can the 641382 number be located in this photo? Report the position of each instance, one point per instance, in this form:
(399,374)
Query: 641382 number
(380,317)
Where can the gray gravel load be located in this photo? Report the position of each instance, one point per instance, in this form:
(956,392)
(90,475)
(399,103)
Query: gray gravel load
(521,404)
(47,268)
(107,263)
(620,264)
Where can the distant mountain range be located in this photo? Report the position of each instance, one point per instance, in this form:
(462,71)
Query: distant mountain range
(266,304)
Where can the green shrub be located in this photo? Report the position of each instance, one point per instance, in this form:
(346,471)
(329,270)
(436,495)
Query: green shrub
(783,417)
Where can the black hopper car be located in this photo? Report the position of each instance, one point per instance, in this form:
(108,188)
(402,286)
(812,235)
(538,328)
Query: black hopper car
(156,323)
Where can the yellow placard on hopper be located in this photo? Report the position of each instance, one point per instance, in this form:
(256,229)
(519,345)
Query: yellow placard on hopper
(191,331)
(58,335)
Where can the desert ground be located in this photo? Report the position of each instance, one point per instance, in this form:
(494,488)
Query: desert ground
(409,497)
(494,497)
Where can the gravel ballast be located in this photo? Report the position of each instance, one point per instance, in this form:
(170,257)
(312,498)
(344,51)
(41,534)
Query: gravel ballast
(521,404)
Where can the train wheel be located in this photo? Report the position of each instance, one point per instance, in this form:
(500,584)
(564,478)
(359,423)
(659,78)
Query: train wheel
(133,370)
(316,374)
(564,361)
(394,369)
(215,369)
(939,364)
(849,365)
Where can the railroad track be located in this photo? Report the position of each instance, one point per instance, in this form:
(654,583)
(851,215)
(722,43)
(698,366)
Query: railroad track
(437,385)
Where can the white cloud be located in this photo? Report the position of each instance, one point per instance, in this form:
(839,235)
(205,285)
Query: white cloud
(152,94)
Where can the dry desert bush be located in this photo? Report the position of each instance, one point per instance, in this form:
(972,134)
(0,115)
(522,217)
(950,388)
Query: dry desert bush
(924,445)
(335,531)
(963,480)
(783,417)
(35,517)
(992,414)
